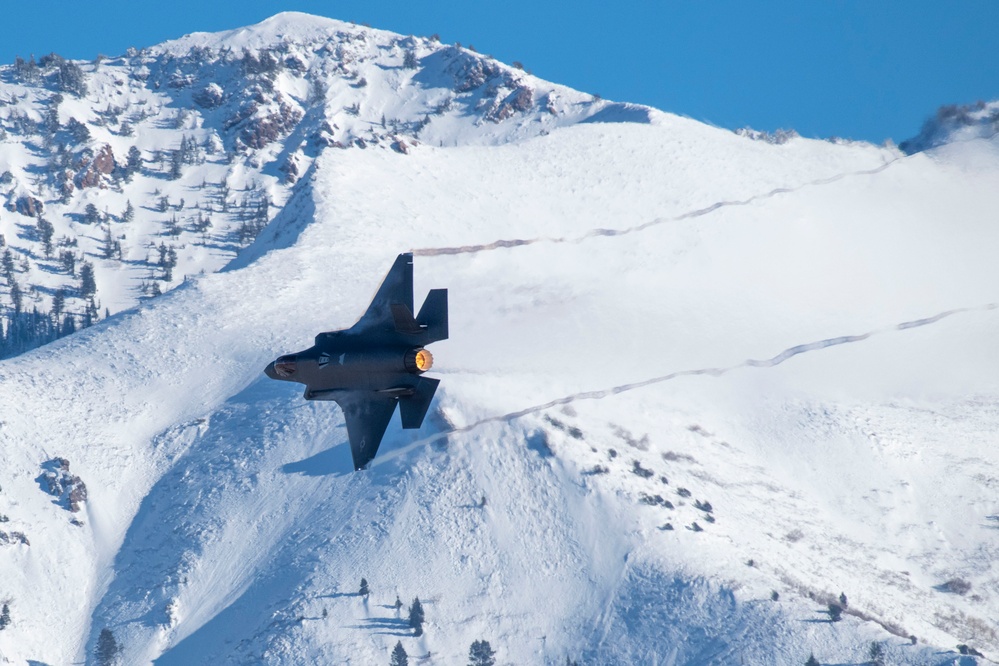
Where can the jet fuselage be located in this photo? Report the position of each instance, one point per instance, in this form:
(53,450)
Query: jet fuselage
(343,362)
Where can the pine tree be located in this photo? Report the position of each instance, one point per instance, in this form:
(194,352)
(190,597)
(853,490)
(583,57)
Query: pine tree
(129,213)
(16,296)
(45,233)
(88,285)
(110,247)
(416,617)
(70,78)
(58,304)
(90,315)
(4,617)
(7,265)
(68,261)
(91,215)
(133,163)
(835,612)
(364,591)
(812,661)
(877,654)
(481,654)
(171,227)
(176,164)
(399,656)
(78,131)
(108,651)
(842,599)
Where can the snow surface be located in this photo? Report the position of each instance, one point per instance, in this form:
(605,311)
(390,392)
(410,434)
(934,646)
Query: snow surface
(802,335)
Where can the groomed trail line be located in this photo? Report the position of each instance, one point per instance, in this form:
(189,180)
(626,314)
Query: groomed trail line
(601,232)
(773,361)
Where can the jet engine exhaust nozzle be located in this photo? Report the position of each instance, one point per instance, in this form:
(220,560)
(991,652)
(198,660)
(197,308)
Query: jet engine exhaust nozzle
(419,360)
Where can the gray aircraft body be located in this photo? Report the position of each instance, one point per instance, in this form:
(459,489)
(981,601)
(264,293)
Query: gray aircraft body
(377,363)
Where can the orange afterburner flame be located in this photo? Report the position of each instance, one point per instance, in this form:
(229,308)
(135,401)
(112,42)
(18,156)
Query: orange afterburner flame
(424,360)
(418,360)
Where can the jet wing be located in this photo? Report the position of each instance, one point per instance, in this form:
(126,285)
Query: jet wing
(367,415)
(396,290)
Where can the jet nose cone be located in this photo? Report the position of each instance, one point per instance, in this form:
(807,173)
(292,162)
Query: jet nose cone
(269,370)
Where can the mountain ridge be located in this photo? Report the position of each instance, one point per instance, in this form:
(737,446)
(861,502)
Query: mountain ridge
(223,522)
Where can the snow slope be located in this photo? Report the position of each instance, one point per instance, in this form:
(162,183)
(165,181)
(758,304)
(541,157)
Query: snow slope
(801,335)
(202,139)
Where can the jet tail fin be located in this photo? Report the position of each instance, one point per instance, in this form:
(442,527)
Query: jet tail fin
(414,408)
(433,316)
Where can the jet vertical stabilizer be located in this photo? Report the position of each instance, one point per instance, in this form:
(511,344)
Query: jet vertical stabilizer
(433,316)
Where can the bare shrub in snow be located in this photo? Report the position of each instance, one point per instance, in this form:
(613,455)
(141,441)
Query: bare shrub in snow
(673,456)
(638,470)
(956,586)
(794,536)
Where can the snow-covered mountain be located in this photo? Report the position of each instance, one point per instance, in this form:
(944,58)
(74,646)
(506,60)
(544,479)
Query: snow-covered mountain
(954,123)
(697,386)
(122,176)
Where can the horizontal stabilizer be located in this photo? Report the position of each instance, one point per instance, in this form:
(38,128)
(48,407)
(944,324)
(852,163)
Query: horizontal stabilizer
(433,316)
(367,416)
(414,408)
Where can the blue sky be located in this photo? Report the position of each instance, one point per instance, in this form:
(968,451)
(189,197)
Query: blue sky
(857,69)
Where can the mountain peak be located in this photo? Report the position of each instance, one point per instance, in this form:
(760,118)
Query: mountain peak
(284,27)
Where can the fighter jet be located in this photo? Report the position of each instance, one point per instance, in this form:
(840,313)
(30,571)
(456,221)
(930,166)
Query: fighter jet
(377,363)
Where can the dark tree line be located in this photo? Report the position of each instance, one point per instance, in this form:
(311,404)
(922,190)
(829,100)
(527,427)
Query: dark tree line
(23,331)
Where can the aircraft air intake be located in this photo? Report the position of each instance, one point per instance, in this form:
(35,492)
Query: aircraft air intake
(285,366)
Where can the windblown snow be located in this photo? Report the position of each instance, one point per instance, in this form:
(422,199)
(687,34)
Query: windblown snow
(697,387)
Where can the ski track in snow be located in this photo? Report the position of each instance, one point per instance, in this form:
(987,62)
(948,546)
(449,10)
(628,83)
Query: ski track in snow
(604,232)
(771,362)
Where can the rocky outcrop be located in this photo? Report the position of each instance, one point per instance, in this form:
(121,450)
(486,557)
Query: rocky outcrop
(97,169)
(68,489)
(26,205)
